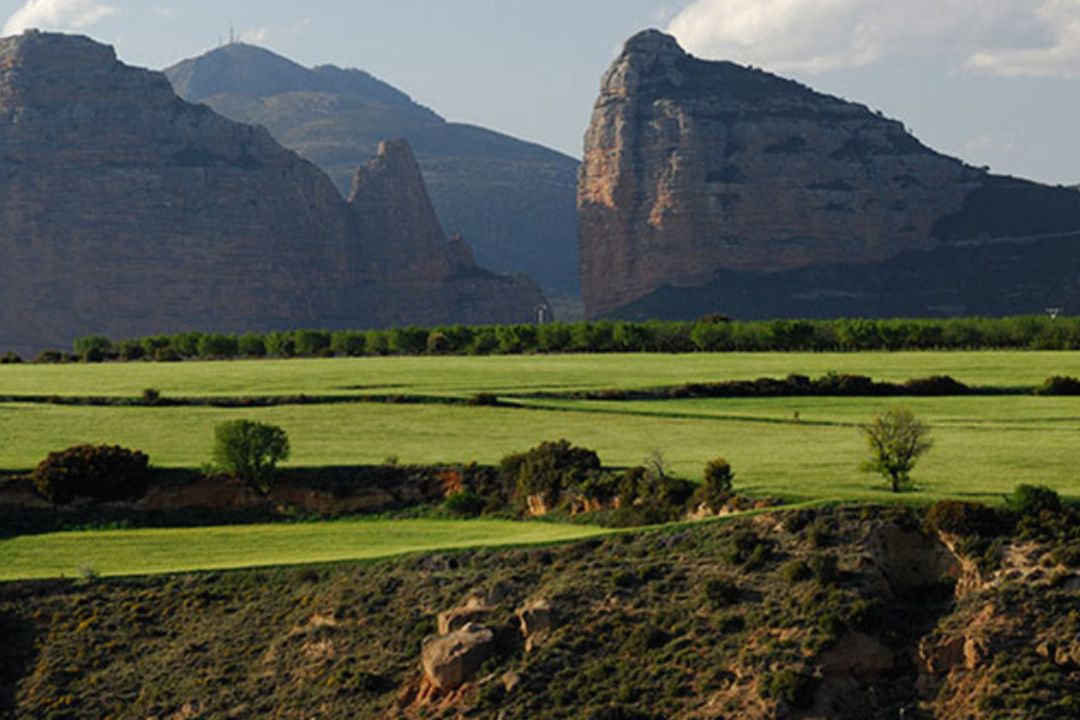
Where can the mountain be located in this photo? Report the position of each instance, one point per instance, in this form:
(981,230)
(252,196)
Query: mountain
(513,200)
(711,187)
(126,211)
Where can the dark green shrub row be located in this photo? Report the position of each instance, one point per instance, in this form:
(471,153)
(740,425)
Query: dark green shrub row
(830,385)
(603,336)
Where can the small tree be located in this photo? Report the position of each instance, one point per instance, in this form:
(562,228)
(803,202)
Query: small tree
(250,451)
(716,487)
(896,439)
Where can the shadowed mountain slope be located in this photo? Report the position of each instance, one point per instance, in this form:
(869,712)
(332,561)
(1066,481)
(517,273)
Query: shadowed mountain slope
(513,200)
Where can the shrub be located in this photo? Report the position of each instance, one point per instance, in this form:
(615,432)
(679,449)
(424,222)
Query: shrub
(151,396)
(716,487)
(93,349)
(217,346)
(955,517)
(747,549)
(791,688)
(130,350)
(311,343)
(1059,385)
(1034,500)
(465,504)
(250,451)
(796,571)
(97,472)
(348,343)
(10,358)
(896,440)
(721,593)
(251,345)
(49,357)
(825,568)
(548,470)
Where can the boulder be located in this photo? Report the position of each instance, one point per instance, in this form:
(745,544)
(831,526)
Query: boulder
(449,661)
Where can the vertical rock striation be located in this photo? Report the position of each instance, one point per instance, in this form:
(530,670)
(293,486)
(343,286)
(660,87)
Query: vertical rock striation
(697,170)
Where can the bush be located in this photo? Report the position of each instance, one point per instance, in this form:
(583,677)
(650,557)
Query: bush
(94,348)
(825,568)
(548,470)
(791,688)
(10,358)
(796,571)
(716,486)
(217,346)
(1059,385)
(721,593)
(964,519)
(348,343)
(151,396)
(465,504)
(1034,500)
(96,472)
(251,345)
(250,451)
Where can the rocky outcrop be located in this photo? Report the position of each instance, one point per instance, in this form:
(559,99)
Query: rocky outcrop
(449,661)
(713,176)
(513,200)
(127,211)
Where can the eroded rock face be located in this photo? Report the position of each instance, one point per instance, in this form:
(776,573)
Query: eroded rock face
(696,168)
(126,211)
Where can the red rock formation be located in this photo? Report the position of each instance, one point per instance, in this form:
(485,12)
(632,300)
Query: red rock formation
(694,168)
(126,211)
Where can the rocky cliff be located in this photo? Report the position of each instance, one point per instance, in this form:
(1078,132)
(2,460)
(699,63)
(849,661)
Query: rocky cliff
(709,174)
(125,210)
(514,200)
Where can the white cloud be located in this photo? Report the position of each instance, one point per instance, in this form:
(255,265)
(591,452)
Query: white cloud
(57,15)
(256,36)
(999,37)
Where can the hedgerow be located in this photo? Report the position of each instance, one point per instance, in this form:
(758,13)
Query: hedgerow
(712,334)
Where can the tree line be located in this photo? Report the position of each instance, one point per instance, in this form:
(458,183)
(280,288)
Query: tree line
(713,334)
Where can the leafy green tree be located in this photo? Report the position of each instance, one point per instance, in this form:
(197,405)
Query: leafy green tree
(896,439)
(716,486)
(250,451)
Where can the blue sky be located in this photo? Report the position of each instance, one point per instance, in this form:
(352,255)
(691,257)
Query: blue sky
(996,82)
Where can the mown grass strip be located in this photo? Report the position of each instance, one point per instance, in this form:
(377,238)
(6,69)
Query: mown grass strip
(111,553)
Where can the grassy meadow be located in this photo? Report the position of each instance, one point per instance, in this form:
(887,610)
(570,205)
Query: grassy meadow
(795,448)
(176,550)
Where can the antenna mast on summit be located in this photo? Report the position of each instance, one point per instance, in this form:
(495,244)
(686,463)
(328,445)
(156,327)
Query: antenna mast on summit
(232,34)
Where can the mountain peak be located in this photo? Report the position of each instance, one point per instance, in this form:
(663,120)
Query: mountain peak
(653,42)
(253,71)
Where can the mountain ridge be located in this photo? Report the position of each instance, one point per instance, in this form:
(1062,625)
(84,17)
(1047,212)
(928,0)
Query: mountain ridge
(127,211)
(513,199)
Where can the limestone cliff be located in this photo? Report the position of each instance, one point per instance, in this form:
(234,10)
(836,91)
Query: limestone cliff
(126,211)
(696,171)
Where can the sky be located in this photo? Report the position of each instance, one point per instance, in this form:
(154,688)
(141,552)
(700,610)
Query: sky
(995,82)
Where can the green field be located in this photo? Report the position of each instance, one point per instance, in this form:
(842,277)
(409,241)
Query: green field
(984,445)
(515,374)
(145,552)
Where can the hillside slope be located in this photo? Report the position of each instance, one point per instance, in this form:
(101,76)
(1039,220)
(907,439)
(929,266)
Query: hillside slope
(512,200)
(713,187)
(836,613)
